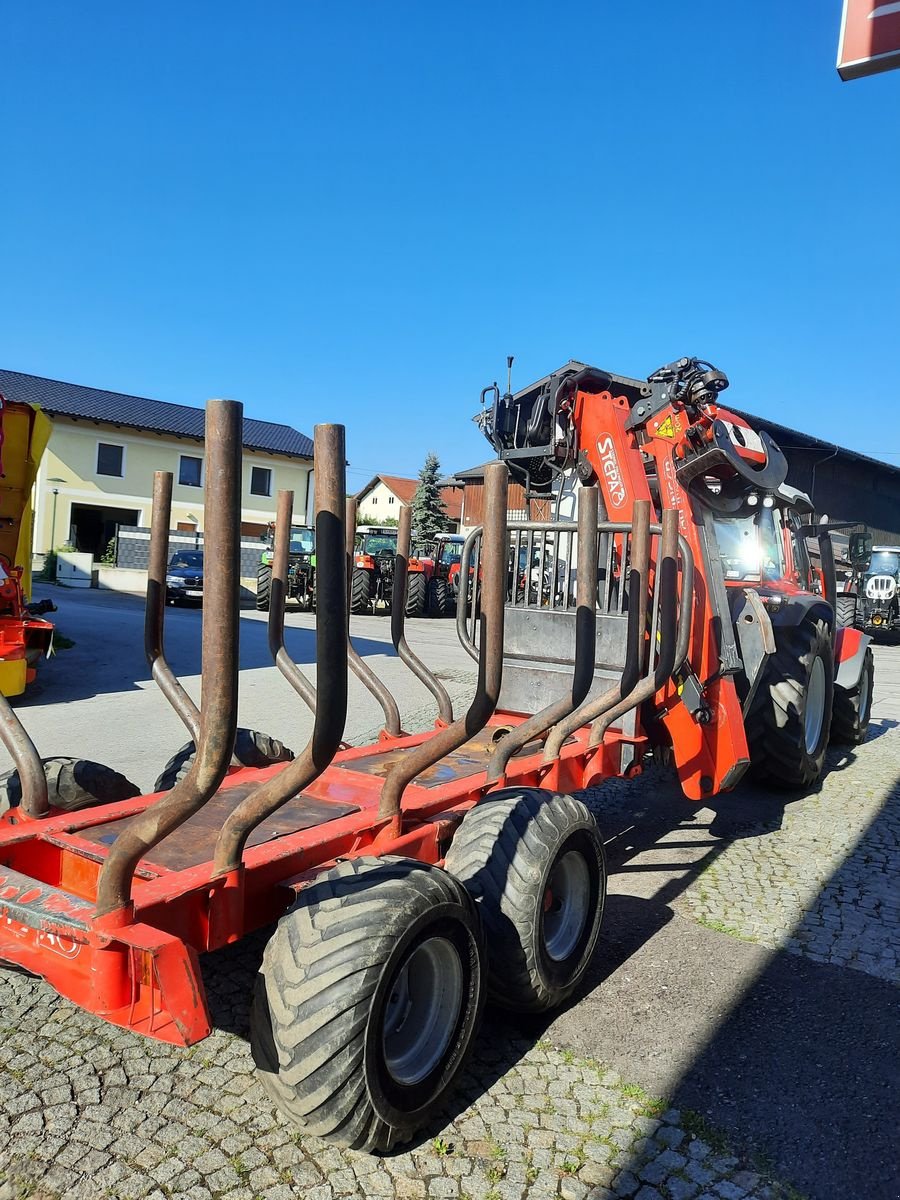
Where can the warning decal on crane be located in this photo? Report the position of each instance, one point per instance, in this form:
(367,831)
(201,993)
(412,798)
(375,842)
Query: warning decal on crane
(667,428)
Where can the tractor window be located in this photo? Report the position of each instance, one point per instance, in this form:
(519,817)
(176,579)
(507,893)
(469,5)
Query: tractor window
(379,543)
(451,553)
(884,562)
(302,541)
(750,546)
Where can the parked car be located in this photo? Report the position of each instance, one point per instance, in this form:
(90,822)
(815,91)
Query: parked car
(184,577)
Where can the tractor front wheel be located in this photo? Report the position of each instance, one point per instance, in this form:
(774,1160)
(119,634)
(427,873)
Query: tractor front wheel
(790,720)
(440,598)
(367,1001)
(263,588)
(360,591)
(533,860)
(853,709)
(845,610)
(416,594)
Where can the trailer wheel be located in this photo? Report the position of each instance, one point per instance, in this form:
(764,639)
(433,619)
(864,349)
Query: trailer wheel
(440,598)
(852,709)
(845,610)
(790,720)
(416,594)
(360,590)
(368,997)
(251,749)
(263,587)
(72,783)
(534,862)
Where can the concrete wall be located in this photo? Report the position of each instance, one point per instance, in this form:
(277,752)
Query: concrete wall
(70,466)
(133,549)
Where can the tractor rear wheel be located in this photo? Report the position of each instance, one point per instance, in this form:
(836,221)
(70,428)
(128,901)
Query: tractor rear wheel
(852,709)
(534,862)
(360,590)
(367,1001)
(251,749)
(72,783)
(263,587)
(845,611)
(790,719)
(416,594)
(440,598)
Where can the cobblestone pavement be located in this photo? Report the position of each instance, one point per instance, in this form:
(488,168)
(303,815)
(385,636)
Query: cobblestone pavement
(824,881)
(87,1110)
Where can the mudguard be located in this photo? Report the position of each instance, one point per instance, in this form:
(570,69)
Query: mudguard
(850,646)
(798,607)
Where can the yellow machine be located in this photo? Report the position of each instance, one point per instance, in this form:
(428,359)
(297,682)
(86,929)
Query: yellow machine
(24,636)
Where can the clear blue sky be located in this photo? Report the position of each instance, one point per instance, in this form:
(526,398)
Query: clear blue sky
(354,211)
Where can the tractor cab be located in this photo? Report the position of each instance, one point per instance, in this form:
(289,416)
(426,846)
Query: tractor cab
(878,609)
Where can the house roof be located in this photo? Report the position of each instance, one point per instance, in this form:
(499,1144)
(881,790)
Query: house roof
(57,398)
(404,489)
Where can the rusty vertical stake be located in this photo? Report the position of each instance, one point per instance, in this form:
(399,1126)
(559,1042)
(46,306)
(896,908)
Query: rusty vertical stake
(32,780)
(358,666)
(331,658)
(398,620)
(155,607)
(284,515)
(490,653)
(218,694)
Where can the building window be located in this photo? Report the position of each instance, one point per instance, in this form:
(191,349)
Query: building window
(391,499)
(190,471)
(260,481)
(110,459)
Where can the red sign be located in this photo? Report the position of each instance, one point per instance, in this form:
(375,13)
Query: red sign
(870,38)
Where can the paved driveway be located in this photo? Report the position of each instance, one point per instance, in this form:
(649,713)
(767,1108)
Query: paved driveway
(737,1037)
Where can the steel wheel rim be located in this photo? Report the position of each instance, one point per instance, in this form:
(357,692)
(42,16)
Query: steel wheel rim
(422,1010)
(566,905)
(814,716)
(865,695)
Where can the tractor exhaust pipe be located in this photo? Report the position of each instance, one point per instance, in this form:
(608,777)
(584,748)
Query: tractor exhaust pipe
(490,653)
(284,515)
(398,621)
(585,641)
(154,611)
(358,666)
(218,703)
(331,658)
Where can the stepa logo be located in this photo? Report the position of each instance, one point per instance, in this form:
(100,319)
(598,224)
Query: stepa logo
(610,467)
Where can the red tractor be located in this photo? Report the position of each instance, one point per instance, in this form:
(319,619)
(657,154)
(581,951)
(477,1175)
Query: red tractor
(371,583)
(440,560)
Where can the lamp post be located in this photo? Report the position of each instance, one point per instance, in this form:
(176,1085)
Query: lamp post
(54,479)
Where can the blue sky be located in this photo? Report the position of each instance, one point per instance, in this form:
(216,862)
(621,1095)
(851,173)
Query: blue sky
(354,211)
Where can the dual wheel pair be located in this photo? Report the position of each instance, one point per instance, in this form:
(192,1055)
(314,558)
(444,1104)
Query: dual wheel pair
(371,988)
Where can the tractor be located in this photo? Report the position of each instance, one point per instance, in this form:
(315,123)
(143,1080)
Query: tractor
(873,601)
(410,879)
(301,577)
(440,559)
(371,582)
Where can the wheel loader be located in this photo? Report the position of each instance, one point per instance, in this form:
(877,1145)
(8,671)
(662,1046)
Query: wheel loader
(414,878)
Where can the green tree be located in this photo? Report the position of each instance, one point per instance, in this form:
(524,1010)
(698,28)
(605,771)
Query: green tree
(429,517)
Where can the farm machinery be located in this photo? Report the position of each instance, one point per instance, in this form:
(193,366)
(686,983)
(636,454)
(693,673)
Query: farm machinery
(300,581)
(413,878)
(371,581)
(871,600)
(25,636)
(440,560)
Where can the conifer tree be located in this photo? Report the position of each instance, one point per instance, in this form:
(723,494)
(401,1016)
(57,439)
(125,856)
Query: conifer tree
(429,517)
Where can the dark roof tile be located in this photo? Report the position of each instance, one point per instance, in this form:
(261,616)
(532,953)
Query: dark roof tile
(136,412)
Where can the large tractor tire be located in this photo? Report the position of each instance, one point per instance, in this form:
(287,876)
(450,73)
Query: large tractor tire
(360,590)
(852,708)
(367,1001)
(440,598)
(790,720)
(263,587)
(72,783)
(251,749)
(845,610)
(533,861)
(416,594)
